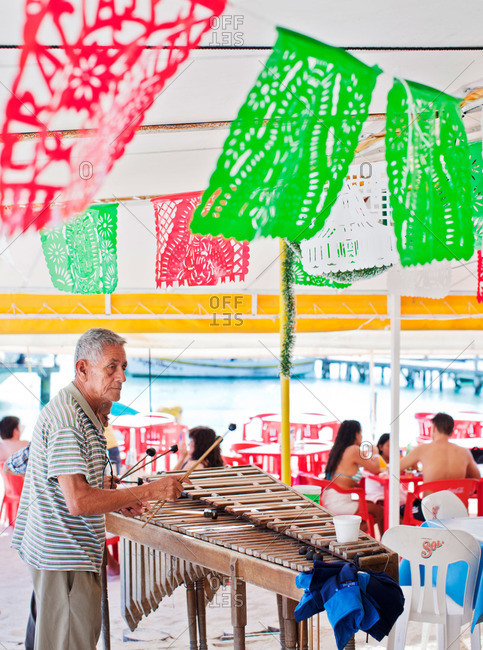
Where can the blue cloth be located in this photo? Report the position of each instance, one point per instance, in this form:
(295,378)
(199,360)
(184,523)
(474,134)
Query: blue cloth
(354,600)
(17,462)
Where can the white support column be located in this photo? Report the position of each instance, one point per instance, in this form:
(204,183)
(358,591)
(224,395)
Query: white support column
(372,389)
(394,307)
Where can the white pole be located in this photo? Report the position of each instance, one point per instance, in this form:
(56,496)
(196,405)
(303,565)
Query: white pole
(372,389)
(394,305)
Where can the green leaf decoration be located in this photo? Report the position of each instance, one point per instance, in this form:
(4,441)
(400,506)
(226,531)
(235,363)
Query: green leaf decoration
(82,255)
(476,159)
(429,175)
(289,149)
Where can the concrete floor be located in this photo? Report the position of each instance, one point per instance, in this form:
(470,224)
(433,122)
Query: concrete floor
(167,627)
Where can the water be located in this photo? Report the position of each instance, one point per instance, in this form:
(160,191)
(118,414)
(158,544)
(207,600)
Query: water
(217,402)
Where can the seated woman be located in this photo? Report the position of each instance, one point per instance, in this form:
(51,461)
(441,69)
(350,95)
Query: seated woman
(343,468)
(374,489)
(201,439)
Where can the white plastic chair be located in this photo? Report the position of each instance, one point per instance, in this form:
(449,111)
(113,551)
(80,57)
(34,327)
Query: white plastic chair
(434,547)
(443,505)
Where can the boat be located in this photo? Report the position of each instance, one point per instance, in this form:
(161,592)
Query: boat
(215,368)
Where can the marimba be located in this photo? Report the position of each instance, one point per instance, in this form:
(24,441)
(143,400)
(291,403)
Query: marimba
(257,536)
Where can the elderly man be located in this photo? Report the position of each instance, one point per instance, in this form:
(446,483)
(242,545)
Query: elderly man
(60,528)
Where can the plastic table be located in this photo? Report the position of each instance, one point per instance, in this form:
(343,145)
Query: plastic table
(303,426)
(158,430)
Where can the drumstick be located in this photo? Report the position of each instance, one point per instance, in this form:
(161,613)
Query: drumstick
(173,449)
(150,451)
(160,504)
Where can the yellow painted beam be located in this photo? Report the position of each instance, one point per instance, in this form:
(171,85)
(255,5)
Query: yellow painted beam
(225,313)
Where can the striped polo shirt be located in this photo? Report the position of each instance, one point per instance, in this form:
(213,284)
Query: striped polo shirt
(68,439)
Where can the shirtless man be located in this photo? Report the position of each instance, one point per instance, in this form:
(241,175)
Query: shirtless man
(441,459)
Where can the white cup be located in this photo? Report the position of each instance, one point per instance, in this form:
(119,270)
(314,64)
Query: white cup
(347,528)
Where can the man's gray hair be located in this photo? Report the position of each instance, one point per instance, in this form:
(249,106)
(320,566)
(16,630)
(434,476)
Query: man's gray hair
(91,344)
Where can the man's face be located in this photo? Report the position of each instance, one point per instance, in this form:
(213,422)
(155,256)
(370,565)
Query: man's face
(106,377)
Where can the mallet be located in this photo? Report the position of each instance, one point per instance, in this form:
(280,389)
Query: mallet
(157,508)
(150,451)
(207,513)
(139,481)
(172,450)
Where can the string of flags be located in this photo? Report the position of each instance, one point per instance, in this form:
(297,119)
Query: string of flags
(103,75)
(285,169)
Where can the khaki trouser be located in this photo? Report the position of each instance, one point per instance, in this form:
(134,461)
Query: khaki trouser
(68,609)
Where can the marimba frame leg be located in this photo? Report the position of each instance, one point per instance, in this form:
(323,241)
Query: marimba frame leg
(290,625)
(238,611)
(201,611)
(191,607)
(281,621)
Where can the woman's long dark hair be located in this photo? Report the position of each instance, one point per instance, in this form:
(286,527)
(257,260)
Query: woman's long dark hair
(203,438)
(346,436)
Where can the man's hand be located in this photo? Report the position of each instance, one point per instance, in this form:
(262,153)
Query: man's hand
(110,484)
(168,488)
(134,510)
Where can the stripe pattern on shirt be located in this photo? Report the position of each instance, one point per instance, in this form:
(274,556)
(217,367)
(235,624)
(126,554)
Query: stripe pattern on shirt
(65,441)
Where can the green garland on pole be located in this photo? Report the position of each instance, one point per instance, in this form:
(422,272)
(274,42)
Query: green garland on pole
(288,302)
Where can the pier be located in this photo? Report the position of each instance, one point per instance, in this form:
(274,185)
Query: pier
(13,364)
(424,372)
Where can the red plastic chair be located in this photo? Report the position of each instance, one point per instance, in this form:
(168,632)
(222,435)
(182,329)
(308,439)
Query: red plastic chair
(462,487)
(264,435)
(233,457)
(313,431)
(113,541)
(425,424)
(13,489)
(112,549)
(303,478)
(466,429)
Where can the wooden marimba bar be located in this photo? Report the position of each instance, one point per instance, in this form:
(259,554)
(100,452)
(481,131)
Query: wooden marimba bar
(257,537)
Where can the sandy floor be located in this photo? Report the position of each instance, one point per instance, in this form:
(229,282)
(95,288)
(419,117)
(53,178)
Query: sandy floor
(167,627)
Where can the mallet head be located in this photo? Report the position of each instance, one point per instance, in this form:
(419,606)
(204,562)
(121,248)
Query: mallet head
(210,513)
